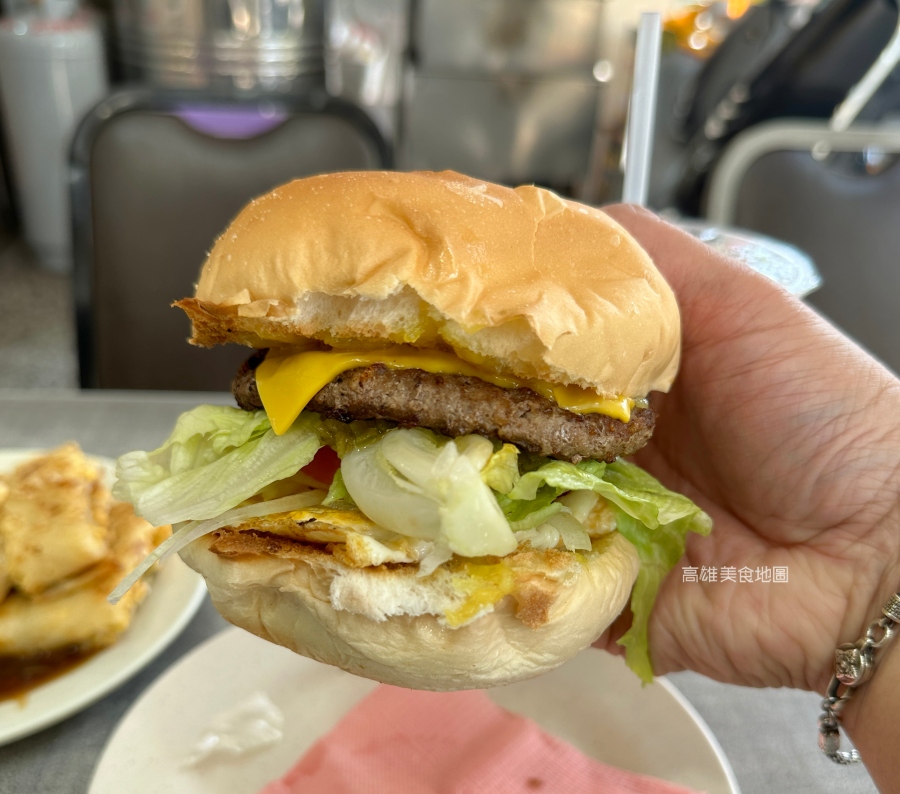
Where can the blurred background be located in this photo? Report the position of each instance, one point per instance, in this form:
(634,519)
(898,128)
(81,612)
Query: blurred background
(132,131)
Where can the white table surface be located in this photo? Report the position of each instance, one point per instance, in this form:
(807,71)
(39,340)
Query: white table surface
(769,735)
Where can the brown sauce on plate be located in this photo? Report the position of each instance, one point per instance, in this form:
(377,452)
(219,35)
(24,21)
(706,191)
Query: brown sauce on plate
(18,676)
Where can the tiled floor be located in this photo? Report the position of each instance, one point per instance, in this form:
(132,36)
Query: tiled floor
(37,323)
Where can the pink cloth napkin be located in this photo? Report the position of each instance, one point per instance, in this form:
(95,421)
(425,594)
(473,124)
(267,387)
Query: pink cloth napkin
(408,742)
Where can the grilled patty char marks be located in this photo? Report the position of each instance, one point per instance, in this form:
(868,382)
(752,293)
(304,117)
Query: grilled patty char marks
(457,405)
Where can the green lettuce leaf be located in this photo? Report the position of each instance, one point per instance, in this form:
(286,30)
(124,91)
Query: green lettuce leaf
(218,457)
(338,493)
(654,519)
(562,475)
(528,514)
(215,458)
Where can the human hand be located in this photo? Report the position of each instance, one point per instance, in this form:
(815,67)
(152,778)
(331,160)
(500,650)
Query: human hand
(788,435)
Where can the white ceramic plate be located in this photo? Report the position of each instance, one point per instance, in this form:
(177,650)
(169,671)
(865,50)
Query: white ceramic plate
(176,595)
(594,702)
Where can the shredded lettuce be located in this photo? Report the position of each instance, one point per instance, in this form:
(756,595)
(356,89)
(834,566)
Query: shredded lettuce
(217,457)
(466,495)
(654,519)
(525,514)
(338,493)
(206,433)
(561,475)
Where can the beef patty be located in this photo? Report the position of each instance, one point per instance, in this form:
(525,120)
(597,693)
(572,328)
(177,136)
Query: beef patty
(457,405)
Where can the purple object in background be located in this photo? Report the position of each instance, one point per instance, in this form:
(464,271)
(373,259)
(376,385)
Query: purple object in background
(220,122)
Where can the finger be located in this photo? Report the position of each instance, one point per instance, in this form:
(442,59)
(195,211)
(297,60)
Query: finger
(608,641)
(690,266)
(722,300)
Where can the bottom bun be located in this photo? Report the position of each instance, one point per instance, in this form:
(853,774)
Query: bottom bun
(390,625)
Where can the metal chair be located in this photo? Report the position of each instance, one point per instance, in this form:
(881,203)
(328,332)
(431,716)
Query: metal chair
(150,193)
(798,181)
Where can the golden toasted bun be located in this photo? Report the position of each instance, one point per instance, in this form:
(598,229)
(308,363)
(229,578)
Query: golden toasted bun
(388,624)
(518,280)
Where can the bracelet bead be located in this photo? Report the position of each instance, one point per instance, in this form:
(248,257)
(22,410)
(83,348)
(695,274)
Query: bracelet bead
(854,663)
(891,609)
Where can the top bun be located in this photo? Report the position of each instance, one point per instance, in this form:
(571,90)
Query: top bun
(517,280)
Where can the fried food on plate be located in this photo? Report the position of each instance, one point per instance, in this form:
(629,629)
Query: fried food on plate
(64,545)
(54,519)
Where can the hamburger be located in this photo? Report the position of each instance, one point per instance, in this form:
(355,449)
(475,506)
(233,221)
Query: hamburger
(422,481)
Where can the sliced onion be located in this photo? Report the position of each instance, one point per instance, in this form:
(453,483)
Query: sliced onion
(391,501)
(561,526)
(580,503)
(471,520)
(476,448)
(410,483)
(438,555)
(541,538)
(571,530)
(189,531)
(412,453)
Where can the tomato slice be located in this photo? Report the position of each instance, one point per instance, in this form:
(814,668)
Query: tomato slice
(323,466)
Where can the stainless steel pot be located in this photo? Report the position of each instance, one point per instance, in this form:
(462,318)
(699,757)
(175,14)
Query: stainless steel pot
(537,37)
(227,45)
(507,129)
(503,89)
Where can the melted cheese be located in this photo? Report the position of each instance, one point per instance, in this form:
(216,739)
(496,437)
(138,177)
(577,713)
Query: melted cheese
(287,382)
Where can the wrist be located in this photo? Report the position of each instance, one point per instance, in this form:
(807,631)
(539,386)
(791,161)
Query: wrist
(875,563)
(871,719)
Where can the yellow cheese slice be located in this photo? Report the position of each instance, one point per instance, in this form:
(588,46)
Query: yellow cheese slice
(287,382)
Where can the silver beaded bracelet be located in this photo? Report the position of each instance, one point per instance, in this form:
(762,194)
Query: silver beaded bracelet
(853,665)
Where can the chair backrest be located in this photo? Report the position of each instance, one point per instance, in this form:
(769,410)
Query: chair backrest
(150,195)
(795,181)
